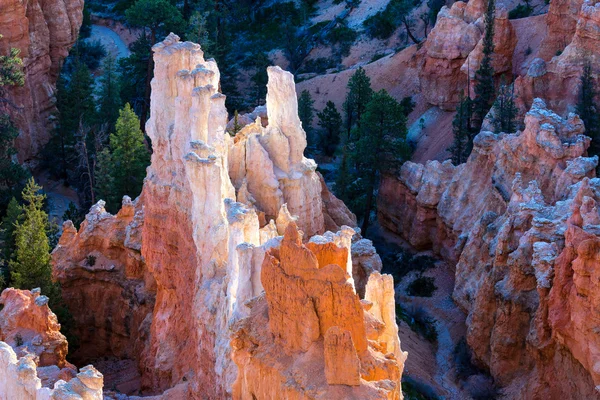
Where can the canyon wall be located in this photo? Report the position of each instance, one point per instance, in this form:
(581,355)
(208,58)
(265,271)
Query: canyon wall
(165,280)
(520,222)
(44,31)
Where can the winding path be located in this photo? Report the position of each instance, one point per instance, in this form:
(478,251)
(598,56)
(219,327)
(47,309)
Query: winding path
(111,41)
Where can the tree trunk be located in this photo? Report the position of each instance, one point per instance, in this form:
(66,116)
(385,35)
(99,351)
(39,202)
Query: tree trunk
(408,32)
(368,207)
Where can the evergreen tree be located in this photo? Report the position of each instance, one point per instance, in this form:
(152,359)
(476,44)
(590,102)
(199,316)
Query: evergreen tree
(31,267)
(330,122)
(485,88)
(344,178)
(12,174)
(259,79)
(7,231)
(382,147)
(463,133)
(306,112)
(129,155)
(109,97)
(588,110)
(74,214)
(76,107)
(156,18)
(359,94)
(504,110)
(236,124)
(104,180)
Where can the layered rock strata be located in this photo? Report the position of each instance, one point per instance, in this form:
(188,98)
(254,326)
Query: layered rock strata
(519,219)
(44,31)
(172,271)
(32,353)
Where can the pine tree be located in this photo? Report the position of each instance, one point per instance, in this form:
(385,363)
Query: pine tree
(485,88)
(128,154)
(382,147)
(330,122)
(156,18)
(12,174)
(109,96)
(359,94)
(236,124)
(306,113)
(31,267)
(104,180)
(588,109)
(7,231)
(75,102)
(504,110)
(462,130)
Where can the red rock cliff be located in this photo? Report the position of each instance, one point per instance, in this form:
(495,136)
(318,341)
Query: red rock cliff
(44,31)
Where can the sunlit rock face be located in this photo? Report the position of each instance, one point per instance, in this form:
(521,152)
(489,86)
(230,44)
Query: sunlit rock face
(44,31)
(310,336)
(32,353)
(519,219)
(176,269)
(454,48)
(573,41)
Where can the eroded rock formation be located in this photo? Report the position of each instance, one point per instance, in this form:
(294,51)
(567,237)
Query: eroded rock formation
(453,50)
(310,335)
(574,35)
(33,353)
(520,220)
(172,272)
(44,31)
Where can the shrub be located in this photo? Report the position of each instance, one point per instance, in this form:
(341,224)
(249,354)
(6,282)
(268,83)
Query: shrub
(462,360)
(423,286)
(90,53)
(416,390)
(419,321)
(90,260)
(528,51)
(377,56)
(317,65)
(400,264)
(379,26)
(18,340)
(520,11)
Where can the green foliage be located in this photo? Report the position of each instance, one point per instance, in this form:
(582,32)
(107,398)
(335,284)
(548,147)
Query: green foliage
(259,79)
(76,107)
(342,36)
(12,174)
(330,122)
(383,24)
(158,16)
(74,214)
(306,113)
(463,131)
(11,69)
(109,98)
(88,53)
(505,111)
(90,260)
(520,11)
(317,65)
(31,267)
(133,74)
(86,25)
(105,181)
(422,286)
(408,105)
(485,89)
(236,125)
(434,8)
(419,321)
(416,390)
(359,94)
(123,171)
(381,147)
(587,109)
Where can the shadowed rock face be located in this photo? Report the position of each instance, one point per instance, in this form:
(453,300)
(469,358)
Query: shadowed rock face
(44,31)
(519,219)
(33,351)
(172,272)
